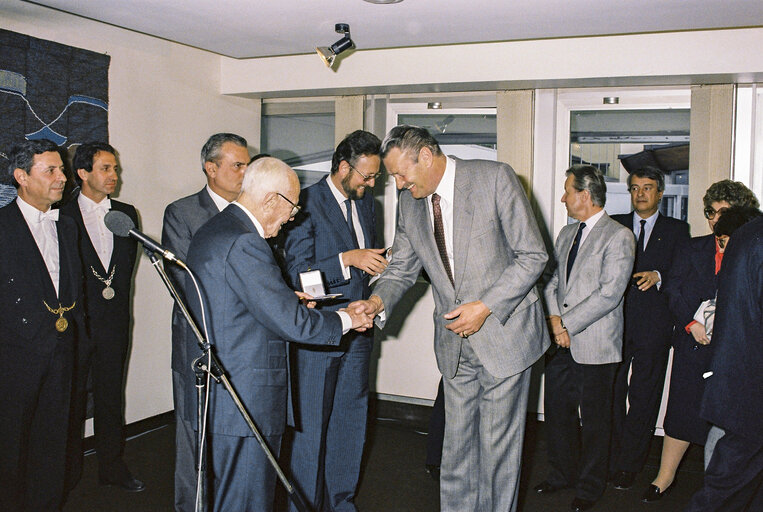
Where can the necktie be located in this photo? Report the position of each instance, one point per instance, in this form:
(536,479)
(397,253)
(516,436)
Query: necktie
(640,242)
(574,248)
(439,236)
(350,224)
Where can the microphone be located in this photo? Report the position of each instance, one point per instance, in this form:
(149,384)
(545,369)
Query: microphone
(122,225)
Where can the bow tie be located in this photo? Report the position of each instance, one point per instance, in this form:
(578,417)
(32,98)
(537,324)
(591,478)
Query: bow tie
(102,207)
(49,215)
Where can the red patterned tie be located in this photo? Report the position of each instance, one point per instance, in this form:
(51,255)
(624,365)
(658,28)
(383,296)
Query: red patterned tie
(439,236)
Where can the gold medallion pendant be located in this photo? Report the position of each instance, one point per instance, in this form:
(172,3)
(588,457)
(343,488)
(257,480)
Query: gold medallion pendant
(61,323)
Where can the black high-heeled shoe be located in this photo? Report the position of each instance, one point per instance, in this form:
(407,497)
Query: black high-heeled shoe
(653,493)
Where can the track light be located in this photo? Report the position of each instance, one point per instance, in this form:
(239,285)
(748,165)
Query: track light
(329,53)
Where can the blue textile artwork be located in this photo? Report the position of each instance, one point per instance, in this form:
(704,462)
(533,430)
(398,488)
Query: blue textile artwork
(52,91)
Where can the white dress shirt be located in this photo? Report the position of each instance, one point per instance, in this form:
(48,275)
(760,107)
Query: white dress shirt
(590,222)
(43,228)
(92,216)
(446,190)
(345,317)
(340,199)
(219,200)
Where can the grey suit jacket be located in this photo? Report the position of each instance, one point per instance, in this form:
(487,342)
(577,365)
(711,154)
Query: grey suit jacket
(182,219)
(591,302)
(498,257)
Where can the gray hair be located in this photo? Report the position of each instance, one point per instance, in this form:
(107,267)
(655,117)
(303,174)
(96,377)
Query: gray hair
(210,152)
(266,175)
(588,177)
(409,140)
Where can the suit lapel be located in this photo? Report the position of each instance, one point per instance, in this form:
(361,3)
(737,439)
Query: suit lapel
(585,251)
(28,250)
(463,213)
(122,244)
(90,256)
(335,213)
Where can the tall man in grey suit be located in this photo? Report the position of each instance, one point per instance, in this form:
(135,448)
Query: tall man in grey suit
(224,158)
(470,226)
(335,234)
(585,304)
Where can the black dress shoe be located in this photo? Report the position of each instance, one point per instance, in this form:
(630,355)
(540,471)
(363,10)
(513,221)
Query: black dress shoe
(623,480)
(129,483)
(653,493)
(580,504)
(545,488)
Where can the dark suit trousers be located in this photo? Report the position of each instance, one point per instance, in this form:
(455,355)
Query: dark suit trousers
(34,414)
(331,412)
(436,429)
(733,479)
(578,454)
(104,361)
(242,478)
(632,431)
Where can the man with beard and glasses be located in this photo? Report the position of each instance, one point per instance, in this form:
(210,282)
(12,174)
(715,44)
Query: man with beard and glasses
(335,234)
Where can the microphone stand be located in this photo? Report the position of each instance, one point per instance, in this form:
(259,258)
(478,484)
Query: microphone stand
(208,363)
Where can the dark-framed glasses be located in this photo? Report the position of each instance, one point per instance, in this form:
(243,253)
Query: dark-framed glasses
(367,179)
(295,208)
(710,212)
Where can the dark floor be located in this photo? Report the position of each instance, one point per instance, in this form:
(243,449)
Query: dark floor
(394,479)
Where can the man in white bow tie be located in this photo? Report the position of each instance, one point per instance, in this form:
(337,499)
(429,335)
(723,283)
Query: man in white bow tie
(108,263)
(41,300)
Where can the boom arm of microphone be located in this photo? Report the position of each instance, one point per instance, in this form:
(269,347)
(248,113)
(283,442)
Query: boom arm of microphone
(122,225)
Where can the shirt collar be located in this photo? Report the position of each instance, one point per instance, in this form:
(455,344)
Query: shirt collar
(649,220)
(446,187)
(591,221)
(32,214)
(251,216)
(219,200)
(89,205)
(335,191)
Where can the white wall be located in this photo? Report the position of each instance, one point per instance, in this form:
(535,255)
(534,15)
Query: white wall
(164,102)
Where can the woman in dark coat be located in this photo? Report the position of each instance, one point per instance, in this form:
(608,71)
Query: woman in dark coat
(694,282)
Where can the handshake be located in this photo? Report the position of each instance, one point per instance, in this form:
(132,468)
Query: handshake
(362,312)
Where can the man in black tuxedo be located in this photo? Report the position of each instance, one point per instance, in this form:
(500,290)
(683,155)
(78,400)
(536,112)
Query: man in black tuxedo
(108,263)
(224,158)
(41,299)
(648,325)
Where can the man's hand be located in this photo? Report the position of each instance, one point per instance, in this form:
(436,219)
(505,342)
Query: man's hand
(563,339)
(555,324)
(470,317)
(370,261)
(646,279)
(698,332)
(304,298)
(371,307)
(360,320)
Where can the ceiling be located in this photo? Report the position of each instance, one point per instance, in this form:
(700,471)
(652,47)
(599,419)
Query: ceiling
(260,28)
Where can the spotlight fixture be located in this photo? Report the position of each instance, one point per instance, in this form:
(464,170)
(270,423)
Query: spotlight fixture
(329,53)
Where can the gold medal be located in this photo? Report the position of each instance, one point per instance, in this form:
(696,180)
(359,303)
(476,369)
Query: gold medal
(108,293)
(61,323)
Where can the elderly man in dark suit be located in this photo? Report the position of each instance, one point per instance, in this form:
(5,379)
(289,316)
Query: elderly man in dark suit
(42,300)
(469,224)
(585,304)
(252,313)
(648,325)
(224,158)
(733,398)
(108,263)
(335,234)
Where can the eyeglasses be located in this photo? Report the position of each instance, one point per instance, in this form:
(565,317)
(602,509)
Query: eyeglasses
(295,207)
(635,189)
(367,179)
(710,213)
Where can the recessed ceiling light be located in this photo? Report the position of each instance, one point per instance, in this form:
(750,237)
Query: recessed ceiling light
(383,1)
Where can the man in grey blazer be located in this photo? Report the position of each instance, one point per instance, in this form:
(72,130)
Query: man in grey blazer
(470,226)
(224,158)
(585,304)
